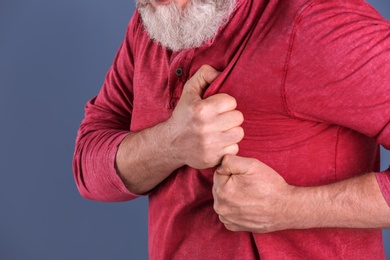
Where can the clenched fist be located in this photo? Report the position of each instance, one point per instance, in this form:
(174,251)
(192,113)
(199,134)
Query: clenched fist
(204,130)
(199,133)
(251,196)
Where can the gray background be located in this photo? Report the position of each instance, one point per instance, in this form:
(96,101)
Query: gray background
(53,58)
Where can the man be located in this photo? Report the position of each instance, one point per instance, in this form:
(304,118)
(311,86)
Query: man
(253,126)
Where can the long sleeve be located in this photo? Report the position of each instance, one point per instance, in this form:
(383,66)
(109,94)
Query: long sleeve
(106,122)
(345,79)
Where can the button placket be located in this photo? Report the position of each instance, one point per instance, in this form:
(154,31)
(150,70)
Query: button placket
(179,72)
(179,75)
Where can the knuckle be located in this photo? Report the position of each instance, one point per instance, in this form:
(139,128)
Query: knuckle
(200,112)
(235,117)
(218,199)
(234,149)
(253,164)
(217,208)
(233,101)
(226,99)
(241,133)
(230,99)
(198,109)
(238,133)
(204,67)
(240,117)
(200,72)
(266,228)
(223,97)
(231,227)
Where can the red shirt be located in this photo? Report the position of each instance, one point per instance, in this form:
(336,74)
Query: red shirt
(312,80)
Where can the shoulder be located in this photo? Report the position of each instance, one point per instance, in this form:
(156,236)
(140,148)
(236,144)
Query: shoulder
(324,19)
(134,27)
(338,47)
(331,34)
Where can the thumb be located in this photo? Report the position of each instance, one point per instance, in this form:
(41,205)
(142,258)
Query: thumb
(198,83)
(234,165)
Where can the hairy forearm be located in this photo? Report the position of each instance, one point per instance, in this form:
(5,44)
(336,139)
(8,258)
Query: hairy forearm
(146,158)
(198,134)
(352,203)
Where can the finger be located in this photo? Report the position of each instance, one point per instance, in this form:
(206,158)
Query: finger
(229,225)
(224,168)
(232,164)
(234,135)
(228,141)
(230,149)
(219,180)
(229,120)
(234,227)
(221,102)
(198,83)
(223,219)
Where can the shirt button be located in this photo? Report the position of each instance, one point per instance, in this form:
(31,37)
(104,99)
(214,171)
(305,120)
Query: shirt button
(178,72)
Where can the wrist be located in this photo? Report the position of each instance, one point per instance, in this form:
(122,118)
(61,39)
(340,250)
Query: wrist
(303,207)
(173,146)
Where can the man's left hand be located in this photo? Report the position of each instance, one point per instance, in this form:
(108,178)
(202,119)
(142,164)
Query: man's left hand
(251,196)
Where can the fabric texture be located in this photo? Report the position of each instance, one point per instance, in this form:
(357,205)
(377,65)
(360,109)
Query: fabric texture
(312,80)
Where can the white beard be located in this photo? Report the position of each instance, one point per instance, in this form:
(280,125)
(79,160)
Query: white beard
(178,28)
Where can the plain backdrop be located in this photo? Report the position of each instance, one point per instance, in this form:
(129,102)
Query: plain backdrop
(53,59)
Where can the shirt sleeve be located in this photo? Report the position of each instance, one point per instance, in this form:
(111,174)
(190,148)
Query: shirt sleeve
(106,122)
(338,71)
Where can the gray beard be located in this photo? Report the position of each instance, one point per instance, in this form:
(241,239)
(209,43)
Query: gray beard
(178,28)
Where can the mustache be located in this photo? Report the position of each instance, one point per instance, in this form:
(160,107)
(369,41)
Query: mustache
(141,3)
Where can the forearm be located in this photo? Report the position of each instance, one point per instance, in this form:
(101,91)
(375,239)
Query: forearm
(198,134)
(146,158)
(93,165)
(352,203)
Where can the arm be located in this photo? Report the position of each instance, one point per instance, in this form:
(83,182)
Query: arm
(348,80)
(343,80)
(251,196)
(198,134)
(111,163)
(105,124)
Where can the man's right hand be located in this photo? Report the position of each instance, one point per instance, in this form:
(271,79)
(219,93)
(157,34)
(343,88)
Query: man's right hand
(204,130)
(199,133)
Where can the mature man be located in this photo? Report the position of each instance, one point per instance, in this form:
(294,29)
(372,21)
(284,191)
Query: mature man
(253,126)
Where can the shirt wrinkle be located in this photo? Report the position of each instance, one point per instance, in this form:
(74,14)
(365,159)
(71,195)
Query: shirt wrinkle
(275,58)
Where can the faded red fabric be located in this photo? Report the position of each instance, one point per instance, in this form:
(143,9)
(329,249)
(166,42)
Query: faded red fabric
(312,80)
